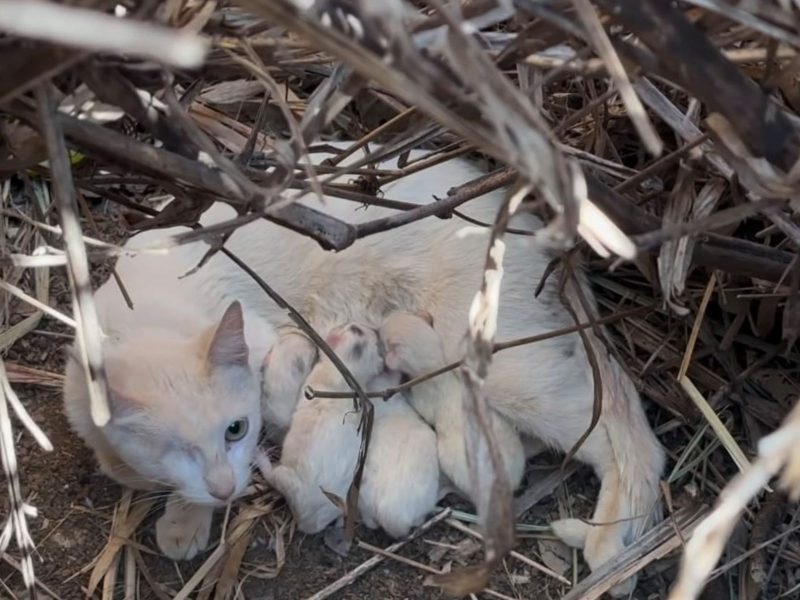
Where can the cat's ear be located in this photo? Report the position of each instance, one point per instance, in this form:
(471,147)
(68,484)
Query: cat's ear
(228,347)
(425,316)
(120,401)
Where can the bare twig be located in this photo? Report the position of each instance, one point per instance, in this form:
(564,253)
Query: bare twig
(362,402)
(497,347)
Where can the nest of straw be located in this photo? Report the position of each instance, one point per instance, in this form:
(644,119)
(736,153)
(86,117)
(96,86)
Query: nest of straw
(676,121)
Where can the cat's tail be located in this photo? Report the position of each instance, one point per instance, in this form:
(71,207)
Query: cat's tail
(631,466)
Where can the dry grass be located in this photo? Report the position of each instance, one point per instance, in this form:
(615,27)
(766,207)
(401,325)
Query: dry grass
(665,135)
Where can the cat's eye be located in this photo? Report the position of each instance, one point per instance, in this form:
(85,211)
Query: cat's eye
(236,430)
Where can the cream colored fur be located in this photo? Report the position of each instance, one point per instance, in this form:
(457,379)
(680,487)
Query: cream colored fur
(414,348)
(545,389)
(401,474)
(400,483)
(173,396)
(285,369)
(321,447)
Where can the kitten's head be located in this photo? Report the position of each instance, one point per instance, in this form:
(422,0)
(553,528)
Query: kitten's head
(359,348)
(186,413)
(412,345)
(284,370)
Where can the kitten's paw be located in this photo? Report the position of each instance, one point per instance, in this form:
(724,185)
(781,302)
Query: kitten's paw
(263,463)
(183,530)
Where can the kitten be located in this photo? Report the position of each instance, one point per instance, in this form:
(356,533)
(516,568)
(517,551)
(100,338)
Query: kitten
(192,428)
(285,368)
(414,348)
(544,389)
(401,473)
(321,447)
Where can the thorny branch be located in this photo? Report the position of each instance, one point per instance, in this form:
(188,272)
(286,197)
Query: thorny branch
(497,347)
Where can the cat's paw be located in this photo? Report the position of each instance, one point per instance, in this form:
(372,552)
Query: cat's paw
(183,530)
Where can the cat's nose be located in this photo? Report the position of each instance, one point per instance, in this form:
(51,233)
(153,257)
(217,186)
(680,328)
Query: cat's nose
(221,483)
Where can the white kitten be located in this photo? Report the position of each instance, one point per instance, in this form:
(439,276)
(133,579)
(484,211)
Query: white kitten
(401,473)
(285,369)
(414,347)
(321,448)
(191,428)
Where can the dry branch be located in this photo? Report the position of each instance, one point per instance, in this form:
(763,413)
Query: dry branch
(695,63)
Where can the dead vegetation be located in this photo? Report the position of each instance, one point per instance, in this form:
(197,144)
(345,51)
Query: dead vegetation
(663,133)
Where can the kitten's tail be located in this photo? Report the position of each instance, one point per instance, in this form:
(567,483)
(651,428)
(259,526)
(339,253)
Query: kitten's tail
(629,499)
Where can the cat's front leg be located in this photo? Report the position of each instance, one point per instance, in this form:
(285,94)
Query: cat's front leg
(184,529)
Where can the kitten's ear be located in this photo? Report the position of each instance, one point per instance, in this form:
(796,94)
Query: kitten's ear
(392,359)
(425,316)
(228,347)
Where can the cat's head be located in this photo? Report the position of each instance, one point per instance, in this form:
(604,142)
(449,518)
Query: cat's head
(186,412)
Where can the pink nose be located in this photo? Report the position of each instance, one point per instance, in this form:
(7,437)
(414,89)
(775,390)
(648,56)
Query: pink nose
(221,483)
(221,492)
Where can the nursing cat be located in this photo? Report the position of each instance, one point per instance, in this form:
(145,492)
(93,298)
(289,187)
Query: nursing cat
(545,389)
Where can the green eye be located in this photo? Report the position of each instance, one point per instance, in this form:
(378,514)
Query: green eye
(236,430)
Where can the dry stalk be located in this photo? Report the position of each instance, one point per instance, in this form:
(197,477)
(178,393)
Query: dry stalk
(93,30)
(490,487)
(17,508)
(777,452)
(88,333)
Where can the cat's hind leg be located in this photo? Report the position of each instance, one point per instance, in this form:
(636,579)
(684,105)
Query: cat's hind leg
(184,529)
(629,461)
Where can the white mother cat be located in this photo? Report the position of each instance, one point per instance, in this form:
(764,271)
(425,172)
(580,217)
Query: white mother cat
(545,389)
